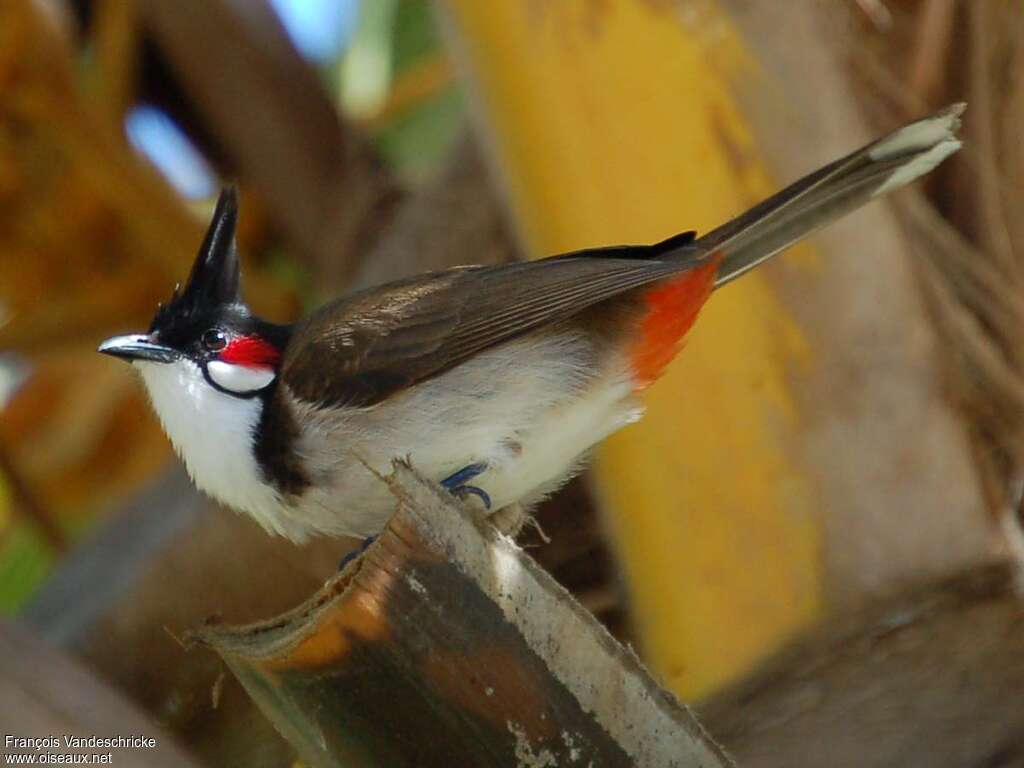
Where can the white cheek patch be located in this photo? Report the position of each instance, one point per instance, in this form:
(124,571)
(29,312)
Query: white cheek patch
(239,378)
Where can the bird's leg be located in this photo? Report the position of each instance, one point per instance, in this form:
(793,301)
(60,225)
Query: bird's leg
(356,552)
(457,483)
(510,519)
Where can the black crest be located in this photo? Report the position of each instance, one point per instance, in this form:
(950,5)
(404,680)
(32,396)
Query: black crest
(213,283)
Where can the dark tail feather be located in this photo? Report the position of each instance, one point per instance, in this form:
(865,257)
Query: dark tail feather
(832,192)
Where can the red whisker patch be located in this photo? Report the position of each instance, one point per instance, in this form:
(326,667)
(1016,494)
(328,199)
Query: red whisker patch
(251,351)
(672,308)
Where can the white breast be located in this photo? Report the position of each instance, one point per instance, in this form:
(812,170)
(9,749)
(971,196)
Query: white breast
(213,434)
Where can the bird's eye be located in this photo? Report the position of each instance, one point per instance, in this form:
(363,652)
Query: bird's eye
(214,340)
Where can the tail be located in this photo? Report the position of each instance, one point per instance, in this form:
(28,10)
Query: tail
(832,192)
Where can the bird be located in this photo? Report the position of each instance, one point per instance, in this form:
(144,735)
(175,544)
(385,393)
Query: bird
(494,381)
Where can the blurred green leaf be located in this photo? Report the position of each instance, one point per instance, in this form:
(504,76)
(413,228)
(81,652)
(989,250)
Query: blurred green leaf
(417,142)
(415,34)
(367,66)
(25,561)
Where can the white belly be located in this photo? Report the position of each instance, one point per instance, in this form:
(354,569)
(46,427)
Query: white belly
(553,449)
(530,410)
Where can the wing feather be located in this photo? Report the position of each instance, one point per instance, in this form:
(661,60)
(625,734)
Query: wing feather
(362,349)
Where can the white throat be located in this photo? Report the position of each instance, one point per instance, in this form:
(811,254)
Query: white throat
(213,434)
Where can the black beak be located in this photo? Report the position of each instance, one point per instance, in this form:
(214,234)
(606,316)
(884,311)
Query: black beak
(138,347)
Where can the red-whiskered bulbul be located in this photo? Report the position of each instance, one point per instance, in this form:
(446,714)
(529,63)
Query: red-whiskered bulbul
(494,380)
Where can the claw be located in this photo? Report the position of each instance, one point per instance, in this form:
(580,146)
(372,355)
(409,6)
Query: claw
(458,479)
(472,490)
(457,483)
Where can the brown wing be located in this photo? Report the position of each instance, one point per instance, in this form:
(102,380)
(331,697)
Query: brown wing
(359,350)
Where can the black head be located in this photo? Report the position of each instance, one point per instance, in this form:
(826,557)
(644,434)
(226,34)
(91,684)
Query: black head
(207,321)
(212,286)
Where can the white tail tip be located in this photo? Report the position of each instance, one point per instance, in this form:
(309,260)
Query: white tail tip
(926,143)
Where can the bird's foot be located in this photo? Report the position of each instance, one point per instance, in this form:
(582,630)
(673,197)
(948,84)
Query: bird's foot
(457,483)
(356,552)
